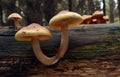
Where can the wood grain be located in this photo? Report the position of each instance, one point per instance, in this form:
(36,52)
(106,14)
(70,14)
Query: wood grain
(85,41)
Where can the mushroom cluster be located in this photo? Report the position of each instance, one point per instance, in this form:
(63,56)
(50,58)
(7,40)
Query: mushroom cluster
(35,32)
(96,18)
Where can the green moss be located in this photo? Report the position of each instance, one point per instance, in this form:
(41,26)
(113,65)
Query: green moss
(94,50)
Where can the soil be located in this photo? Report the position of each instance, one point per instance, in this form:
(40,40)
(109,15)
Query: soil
(66,68)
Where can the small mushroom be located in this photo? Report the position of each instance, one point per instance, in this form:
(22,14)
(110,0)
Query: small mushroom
(93,21)
(97,15)
(86,19)
(15,17)
(35,32)
(104,19)
(62,21)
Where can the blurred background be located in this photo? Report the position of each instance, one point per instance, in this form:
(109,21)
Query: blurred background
(41,11)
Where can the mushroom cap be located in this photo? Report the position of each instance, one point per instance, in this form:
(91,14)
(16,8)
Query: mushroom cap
(65,18)
(14,16)
(86,18)
(106,18)
(34,29)
(97,14)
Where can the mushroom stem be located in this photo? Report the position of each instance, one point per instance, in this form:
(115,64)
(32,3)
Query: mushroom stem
(39,54)
(61,51)
(64,42)
(98,20)
(16,25)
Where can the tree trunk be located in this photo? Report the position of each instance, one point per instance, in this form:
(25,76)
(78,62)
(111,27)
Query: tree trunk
(1,14)
(90,6)
(104,7)
(49,9)
(119,8)
(70,5)
(96,5)
(112,5)
(33,12)
(8,6)
(80,8)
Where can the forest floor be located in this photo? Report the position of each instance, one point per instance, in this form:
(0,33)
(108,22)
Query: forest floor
(66,68)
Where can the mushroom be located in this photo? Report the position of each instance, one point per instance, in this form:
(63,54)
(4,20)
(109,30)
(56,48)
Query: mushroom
(93,21)
(62,21)
(97,15)
(35,32)
(15,17)
(86,19)
(104,19)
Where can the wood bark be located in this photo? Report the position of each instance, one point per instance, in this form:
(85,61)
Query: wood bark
(82,39)
(1,13)
(104,7)
(119,8)
(85,42)
(112,6)
(70,5)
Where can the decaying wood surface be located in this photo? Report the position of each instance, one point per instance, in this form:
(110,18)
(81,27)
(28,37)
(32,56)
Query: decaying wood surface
(86,41)
(94,50)
(82,39)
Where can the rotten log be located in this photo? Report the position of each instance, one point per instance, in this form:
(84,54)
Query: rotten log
(85,41)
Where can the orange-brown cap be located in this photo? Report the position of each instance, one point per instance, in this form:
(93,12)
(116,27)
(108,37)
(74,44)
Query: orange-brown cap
(14,16)
(106,18)
(97,14)
(65,18)
(34,29)
(86,18)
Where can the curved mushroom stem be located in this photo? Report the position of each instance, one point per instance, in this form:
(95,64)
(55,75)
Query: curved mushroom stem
(61,51)
(39,54)
(64,42)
